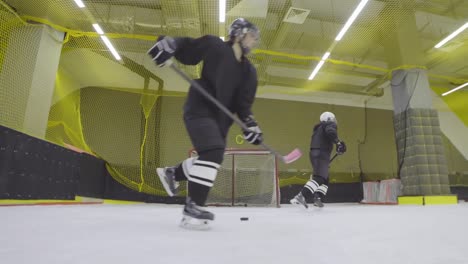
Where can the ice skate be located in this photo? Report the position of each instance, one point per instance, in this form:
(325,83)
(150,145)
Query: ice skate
(195,217)
(299,200)
(167,177)
(318,201)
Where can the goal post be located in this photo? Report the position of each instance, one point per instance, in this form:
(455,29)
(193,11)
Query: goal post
(247,177)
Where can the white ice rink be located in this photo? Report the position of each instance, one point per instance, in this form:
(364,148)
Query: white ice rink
(149,233)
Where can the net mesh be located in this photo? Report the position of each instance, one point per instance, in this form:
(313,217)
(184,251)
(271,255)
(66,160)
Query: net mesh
(246,178)
(124,112)
(383,192)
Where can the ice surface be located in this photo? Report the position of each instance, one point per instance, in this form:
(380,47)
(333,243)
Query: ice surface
(149,233)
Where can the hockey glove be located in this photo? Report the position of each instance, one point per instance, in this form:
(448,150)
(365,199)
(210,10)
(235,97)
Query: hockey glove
(163,50)
(254,134)
(340,147)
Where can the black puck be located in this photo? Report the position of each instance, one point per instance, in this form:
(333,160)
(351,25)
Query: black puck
(244,218)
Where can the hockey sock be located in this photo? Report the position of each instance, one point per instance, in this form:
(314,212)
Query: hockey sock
(179,173)
(314,185)
(309,188)
(182,170)
(198,192)
(322,190)
(320,180)
(203,174)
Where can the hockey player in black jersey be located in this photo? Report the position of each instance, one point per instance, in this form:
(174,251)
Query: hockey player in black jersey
(229,77)
(324,135)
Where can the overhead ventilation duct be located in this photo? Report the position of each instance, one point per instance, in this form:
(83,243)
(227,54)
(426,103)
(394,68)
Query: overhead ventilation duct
(296,15)
(128,19)
(249,9)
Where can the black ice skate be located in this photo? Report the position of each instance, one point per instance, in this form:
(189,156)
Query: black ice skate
(167,177)
(299,200)
(195,217)
(318,201)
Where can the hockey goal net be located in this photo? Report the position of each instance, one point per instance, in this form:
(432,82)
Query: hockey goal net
(246,178)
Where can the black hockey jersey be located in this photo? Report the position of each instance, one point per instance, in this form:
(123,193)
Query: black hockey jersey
(324,136)
(231,82)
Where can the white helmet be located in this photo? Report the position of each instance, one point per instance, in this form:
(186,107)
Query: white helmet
(327,117)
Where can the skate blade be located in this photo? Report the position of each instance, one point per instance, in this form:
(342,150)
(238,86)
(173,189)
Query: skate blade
(191,223)
(318,206)
(296,202)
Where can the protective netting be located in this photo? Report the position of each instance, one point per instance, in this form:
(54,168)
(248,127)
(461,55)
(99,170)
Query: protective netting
(127,112)
(14,101)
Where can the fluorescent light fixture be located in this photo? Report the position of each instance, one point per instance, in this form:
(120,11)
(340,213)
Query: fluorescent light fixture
(451,36)
(317,68)
(455,89)
(79,3)
(222,38)
(351,19)
(319,65)
(326,55)
(98,29)
(111,48)
(222,11)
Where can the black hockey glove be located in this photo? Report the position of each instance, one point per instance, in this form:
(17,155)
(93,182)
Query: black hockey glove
(254,134)
(163,50)
(340,147)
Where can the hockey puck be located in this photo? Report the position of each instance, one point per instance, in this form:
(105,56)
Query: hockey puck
(244,218)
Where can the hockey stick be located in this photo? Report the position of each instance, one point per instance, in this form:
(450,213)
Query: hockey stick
(292,156)
(334,156)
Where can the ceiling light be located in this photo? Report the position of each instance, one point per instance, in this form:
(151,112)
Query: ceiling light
(455,89)
(111,48)
(319,65)
(317,68)
(79,3)
(98,29)
(326,55)
(222,11)
(451,36)
(351,19)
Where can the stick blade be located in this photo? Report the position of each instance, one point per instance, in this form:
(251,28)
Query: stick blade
(292,156)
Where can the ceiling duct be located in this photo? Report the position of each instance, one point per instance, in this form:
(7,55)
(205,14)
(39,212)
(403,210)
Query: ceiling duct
(296,15)
(128,19)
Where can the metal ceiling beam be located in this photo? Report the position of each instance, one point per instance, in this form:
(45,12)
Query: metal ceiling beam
(330,70)
(154,4)
(317,85)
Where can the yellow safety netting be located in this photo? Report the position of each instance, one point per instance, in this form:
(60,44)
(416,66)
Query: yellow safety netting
(113,109)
